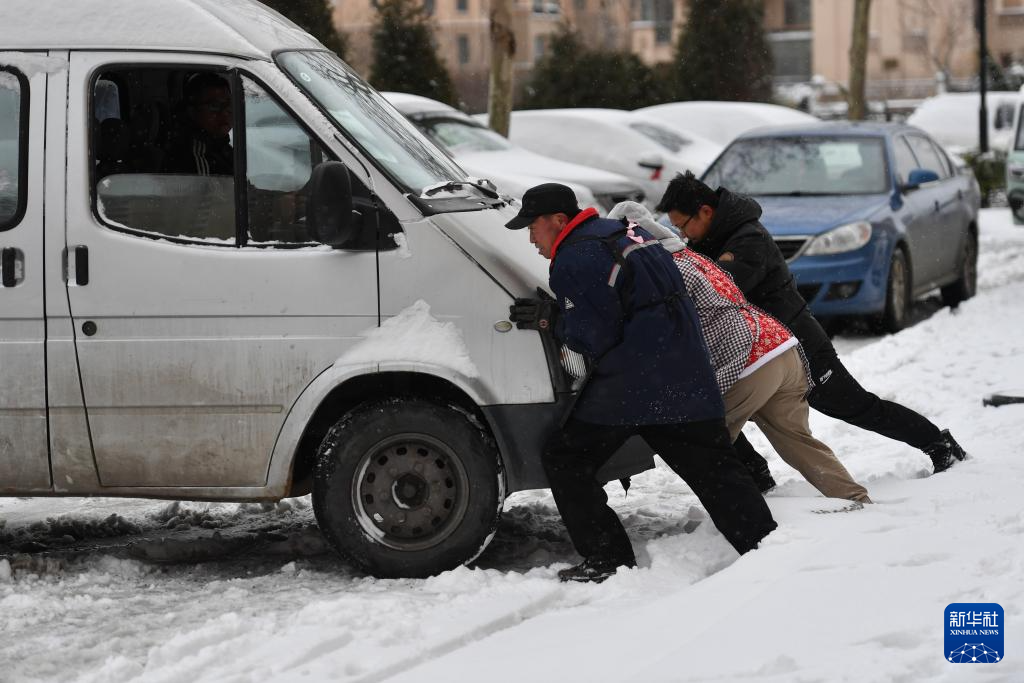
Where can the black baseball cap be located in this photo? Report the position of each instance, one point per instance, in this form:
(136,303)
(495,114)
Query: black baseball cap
(542,200)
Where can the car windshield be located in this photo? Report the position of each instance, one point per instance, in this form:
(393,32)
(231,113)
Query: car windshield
(370,122)
(459,137)
(802,166)
(668,139)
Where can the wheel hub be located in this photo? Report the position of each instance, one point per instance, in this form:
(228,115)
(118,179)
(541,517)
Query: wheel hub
(410,492)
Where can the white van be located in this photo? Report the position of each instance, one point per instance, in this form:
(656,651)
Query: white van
(321,308)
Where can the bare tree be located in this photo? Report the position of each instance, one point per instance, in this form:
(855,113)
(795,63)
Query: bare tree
(940,26)
(856,106)
(503,49)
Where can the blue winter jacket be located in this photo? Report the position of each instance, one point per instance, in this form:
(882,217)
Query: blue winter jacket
(638,325)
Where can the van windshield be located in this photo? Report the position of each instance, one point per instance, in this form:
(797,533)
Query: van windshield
(370,122)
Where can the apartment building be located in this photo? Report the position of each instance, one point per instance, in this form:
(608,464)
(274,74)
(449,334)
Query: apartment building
(910,40)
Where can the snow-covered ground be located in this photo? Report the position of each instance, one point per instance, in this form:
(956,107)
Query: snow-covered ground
(130,590)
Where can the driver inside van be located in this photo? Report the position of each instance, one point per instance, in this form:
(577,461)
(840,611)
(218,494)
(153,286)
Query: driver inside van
(204,147)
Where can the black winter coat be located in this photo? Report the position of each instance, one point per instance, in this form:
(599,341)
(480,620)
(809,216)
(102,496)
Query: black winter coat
(759,269)
(639,326)
(195,152)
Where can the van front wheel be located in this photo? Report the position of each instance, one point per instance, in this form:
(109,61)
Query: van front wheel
(408,488)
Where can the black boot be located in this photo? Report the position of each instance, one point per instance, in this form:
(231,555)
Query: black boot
(944,452)
(764,480)
(593,570)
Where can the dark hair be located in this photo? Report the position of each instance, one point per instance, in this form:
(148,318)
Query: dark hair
(200,81)
(686,194)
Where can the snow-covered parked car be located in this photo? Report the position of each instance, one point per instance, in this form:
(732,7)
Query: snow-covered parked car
(486,154)
(952,119)
(723,122)
(326,312)
(638,147)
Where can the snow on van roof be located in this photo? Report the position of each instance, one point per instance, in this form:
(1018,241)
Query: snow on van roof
(237,27)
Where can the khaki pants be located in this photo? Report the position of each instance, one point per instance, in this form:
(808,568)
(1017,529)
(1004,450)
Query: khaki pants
(773,397)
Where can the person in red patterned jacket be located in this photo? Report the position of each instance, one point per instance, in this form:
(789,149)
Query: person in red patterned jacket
(760,366)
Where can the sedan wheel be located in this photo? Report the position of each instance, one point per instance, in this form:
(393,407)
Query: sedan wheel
(964,288)
(897,297)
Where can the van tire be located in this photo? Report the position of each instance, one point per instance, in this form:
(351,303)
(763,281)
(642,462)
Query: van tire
(408,488)
(965,287)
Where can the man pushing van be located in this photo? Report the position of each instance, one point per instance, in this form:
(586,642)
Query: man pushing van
(614,295)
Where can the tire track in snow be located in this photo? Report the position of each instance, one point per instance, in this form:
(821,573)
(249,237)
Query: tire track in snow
(546,603)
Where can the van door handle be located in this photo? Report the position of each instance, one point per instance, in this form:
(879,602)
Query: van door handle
(80,263)
(938,207)
(11,262)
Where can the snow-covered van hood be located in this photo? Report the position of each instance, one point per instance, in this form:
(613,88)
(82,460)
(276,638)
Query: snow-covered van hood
(506,255)
(814,215)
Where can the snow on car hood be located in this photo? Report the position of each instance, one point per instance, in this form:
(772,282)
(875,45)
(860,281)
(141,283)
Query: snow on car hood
(506,255)
(813,215)
(525,162)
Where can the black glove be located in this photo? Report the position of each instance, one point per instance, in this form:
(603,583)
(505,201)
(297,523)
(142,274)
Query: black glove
(534,314)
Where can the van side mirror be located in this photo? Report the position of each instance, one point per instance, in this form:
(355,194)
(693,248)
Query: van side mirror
(330,204)
(918,177)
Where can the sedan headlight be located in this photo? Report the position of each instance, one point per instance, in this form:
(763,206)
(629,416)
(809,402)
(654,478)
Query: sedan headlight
(1016,170)
(839,240)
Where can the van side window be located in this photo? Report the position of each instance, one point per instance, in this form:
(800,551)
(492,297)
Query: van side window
(162,153)
(13,143)
(280,157)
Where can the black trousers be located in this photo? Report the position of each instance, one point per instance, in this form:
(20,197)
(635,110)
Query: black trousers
(699,452)
(837,394)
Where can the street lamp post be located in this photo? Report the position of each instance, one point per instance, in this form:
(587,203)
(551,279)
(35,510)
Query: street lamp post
(982,21)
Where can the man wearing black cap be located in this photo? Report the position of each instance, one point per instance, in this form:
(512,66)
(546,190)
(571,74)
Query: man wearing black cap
(619,294)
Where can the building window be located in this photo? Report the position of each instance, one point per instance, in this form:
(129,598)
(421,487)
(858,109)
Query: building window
(538,47)
(664,17)
(1011,6)
(797,13)
(580,5)
(428,7)
(463,45)
(791,52)
(547,7)
(462,5)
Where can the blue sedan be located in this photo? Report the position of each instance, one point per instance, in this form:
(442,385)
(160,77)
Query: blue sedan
(870,216)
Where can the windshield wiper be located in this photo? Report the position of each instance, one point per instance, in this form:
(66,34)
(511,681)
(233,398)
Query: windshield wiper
(459,184)
(799,193)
